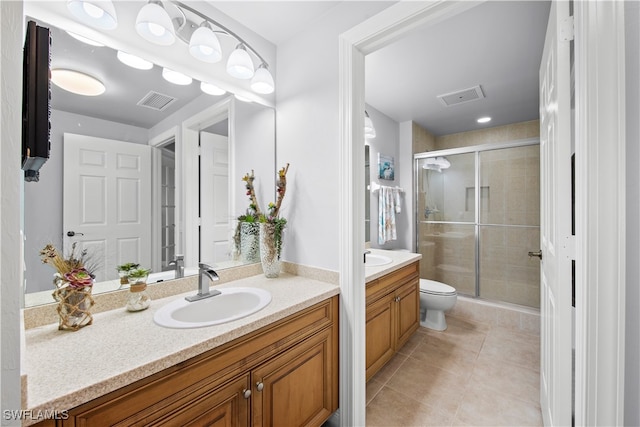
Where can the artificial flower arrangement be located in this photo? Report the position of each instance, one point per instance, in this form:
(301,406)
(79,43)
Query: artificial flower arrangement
(73,281)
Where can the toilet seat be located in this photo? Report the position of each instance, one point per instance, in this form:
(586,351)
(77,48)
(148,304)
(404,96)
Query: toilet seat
(436,288)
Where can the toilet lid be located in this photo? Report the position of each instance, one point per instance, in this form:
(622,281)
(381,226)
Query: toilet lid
(433,287)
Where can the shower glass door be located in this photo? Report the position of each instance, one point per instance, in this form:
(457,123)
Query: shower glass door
(509,225)
(477,215)
(446,220)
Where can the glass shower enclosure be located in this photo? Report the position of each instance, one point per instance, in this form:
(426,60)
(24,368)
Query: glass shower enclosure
(477,216)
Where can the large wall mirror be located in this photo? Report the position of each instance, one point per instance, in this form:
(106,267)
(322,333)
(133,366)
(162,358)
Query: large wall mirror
(186,160)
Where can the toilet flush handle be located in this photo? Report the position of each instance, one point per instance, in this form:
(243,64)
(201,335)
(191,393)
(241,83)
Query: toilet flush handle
(538,254)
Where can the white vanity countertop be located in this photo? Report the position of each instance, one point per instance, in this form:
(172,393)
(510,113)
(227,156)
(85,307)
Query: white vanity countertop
(65,369)
(398,259)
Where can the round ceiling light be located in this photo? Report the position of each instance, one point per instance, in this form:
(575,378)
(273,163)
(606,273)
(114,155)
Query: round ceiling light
(242,98)
(211,89)
(484,119)
(85,40)
(176,77)
(77,82)
(134,61)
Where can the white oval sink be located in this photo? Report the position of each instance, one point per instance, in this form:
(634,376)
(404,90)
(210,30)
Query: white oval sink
(231,304)
(374,260)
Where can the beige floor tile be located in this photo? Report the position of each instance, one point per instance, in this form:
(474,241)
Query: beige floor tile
(517,348)
(447,355)
(390,408)
(469,338)
(419,337)
(390,368)
(429,385)
(506,377)
(373,387)
(483,406)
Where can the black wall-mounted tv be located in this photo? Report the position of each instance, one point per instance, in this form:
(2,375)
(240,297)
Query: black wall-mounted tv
(36,98)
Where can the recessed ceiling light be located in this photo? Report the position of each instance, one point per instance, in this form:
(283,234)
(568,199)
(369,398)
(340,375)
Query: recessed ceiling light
(134,61)
(77,82)
(211,89)
(484,120)
(84,39)
(176,77)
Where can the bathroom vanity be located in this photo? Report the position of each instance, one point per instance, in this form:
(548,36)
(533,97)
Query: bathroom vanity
(276,367)
(392,307)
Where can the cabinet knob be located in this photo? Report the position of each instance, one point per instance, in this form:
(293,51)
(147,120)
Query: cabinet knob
(246,393)
(259,385)
(397,299)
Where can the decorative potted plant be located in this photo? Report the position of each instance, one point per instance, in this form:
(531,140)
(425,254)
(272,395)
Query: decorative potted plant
(123,272)
(271,225)
(138,276)
(247,235)
(138,296)
(73,283)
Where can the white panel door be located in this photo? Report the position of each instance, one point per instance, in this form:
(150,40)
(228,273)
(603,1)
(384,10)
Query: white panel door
(215,214)
(107,201)
(555,222)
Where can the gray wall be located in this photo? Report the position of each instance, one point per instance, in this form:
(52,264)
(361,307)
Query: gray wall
(632,343)
(43,199)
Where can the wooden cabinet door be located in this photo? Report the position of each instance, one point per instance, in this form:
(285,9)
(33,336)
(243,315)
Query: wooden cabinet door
(226,406)
(380,333)
(408,311)
(295,388)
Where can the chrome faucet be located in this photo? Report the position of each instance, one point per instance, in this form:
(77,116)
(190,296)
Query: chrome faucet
(203,289)
(178,264)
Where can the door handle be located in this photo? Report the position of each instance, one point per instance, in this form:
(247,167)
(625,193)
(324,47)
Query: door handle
(538,254)
(73,233)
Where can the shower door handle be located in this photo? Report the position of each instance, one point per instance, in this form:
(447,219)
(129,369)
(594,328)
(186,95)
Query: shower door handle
(538,254)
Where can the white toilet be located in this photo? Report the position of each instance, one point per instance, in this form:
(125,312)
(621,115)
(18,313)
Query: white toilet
(435,299)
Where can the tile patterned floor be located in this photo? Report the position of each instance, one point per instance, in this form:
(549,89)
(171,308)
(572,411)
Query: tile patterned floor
(472,374)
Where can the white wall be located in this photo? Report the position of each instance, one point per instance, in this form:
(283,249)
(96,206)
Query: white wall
(11,40)
(254,136)
(43,199)
(307,124)
(387,142)
(632,344)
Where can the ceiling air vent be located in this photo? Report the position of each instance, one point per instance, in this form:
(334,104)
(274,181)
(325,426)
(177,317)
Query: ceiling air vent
(461,96)
(156,101)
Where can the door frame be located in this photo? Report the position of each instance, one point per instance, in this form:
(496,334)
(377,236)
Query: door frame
(191,189)
(600,212)
(171,134)
(599,30)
